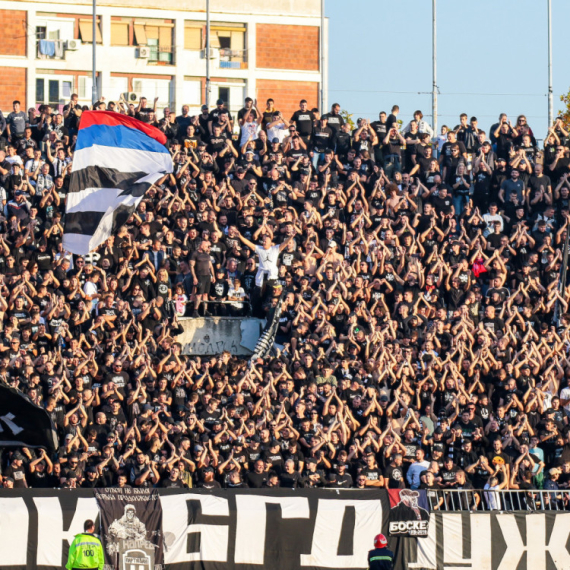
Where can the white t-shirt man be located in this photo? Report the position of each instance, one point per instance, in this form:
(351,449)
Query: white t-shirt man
(279,131)
(267,264)
(249,129)
(490,220)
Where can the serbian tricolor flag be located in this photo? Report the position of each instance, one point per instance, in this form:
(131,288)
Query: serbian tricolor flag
(116,160)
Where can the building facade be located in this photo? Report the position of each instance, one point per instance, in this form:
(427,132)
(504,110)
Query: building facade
(258,48)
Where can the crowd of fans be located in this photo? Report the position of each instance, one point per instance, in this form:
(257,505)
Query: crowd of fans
(423,338)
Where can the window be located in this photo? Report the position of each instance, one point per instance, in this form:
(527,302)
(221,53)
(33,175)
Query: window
(192,92)
(225,41)
(54,90)
(232,94)
(119,33)
(51,35)
(229,36)
(117,86)
(157,35)
(224,95)
(230,39)
(193,37)
(140,34)
(85,90)
(153,45)
(151,88)
(86,30)
(165,44)
(40,93)
(54,28)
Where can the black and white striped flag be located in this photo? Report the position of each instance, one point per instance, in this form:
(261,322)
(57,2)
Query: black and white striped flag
(116,160)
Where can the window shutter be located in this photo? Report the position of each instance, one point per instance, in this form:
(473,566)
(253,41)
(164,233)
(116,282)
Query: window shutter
(214,40)
(119,34)
(86,31)
(151,32)
(192,38)
(165,38)
(238,40)
(140,35)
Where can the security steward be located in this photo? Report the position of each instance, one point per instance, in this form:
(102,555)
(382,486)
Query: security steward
(381,558)
(86,550)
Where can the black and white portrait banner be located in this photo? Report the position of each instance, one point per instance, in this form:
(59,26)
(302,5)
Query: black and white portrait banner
(131,528)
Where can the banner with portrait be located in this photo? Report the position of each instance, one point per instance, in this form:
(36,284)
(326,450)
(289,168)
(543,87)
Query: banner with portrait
(409,513)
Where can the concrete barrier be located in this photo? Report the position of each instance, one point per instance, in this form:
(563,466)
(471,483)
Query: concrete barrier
(212,335)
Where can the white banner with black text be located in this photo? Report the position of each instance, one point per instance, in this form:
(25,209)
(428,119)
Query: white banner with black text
(286,529)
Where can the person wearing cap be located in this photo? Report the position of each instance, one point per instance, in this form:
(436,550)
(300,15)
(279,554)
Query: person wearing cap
(208,481)
(17,471)
(214,115)
(86,550)
(380,557)
(250,124)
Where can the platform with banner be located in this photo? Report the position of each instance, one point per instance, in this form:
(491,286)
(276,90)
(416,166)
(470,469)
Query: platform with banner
(258,529)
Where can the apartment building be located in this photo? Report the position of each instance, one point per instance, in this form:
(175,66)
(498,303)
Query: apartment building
(156,48)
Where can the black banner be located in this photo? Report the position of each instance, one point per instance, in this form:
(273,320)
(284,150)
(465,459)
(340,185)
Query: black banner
(287,530)
(23,423)
(267,338)
(131,528)
(409,513)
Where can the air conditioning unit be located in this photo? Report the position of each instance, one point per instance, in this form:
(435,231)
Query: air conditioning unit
(143,52)
(213,53)
(73,45)
(132,97)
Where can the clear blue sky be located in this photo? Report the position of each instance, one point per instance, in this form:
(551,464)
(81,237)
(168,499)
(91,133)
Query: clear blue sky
(492,58)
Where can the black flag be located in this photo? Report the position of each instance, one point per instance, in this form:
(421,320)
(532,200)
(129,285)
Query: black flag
(23,423)
(131,528)
(267,338)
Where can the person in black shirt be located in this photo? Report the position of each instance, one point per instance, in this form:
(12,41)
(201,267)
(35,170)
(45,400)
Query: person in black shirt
(322,140)
(334,119)
(304,120)
(394,473)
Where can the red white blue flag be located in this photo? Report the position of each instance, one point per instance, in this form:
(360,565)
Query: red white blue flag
(117,159)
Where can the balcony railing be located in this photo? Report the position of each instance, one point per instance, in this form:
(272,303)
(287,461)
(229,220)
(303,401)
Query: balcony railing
(161,55)
(233,58)
(498,500)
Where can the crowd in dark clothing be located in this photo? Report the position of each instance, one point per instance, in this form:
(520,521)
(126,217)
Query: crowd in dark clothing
(424,333)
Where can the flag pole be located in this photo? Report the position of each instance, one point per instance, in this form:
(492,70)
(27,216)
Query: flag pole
(550,112)
(208,86)
(94,70)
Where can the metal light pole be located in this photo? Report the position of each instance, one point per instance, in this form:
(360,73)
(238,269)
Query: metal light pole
(208,85)
(94,87)
(434,66)
(550,116)
(322,50)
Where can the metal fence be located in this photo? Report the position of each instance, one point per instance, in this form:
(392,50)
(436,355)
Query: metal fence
(496,500)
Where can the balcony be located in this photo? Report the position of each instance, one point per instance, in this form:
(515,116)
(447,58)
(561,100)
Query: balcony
(160,55)
(233,58)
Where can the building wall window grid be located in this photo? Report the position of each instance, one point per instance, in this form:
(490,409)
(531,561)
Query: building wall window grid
(228,39)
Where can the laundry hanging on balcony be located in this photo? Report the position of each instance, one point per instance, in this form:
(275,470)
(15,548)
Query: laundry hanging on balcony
(47,48)
(58,49)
